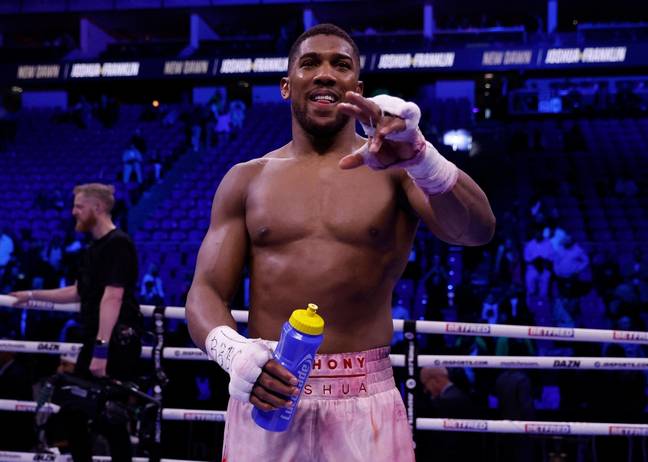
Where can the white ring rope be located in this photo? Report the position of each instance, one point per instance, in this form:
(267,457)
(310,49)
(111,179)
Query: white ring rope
(567,334)
(428,327)
(532,427)
(488,362)
(15,405)
(12,456)
(422,423)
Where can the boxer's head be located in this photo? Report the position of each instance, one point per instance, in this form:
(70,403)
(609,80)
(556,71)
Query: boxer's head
(324,29)
(323,64)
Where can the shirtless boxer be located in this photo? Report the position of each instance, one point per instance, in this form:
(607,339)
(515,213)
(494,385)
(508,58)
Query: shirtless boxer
(329,218)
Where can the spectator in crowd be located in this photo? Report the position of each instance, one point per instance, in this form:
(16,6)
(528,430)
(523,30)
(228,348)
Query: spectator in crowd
(37,270)
(513,303)
(212,115)
(606,273)
(6,249)
(195,124)
(538,210)
(513,390)
(446,399)
(170,117)
(52,253)
(156,164)
(490,309)
(570,263)
(223,128)
(237,116)
(629,298)
(508,263)
(443,399)
(138,141)
(538,256)
(554,232)
(47,199)
(152,290)
(81,112)
(132,159)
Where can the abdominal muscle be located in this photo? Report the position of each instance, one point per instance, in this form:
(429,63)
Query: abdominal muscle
(352,287)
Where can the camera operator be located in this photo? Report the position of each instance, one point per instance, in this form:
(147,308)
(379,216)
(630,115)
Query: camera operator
(110,319)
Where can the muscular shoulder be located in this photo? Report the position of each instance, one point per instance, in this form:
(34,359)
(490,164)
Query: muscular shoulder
(233,189)
(247,171)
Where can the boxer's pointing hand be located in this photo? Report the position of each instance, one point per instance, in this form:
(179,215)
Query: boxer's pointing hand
(383,148)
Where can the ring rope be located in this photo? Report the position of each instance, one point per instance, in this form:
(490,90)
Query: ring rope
(14,456)
(567,334)
(398,360)
(446,328)
(423,423)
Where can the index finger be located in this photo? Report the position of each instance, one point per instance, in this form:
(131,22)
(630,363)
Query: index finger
(275,369)
(358,106)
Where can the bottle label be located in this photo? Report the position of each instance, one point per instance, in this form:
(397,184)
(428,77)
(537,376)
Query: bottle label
(301,371)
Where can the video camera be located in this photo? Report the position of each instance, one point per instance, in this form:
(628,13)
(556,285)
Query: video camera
(100,398)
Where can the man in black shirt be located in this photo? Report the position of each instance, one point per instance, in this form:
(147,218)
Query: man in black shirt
(110,318)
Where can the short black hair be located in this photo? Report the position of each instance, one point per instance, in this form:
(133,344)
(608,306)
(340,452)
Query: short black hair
(322,29)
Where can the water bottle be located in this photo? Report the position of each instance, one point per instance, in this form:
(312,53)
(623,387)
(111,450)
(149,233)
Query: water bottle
(300,338)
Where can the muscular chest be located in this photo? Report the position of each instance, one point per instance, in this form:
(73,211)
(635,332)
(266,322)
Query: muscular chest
(294,201)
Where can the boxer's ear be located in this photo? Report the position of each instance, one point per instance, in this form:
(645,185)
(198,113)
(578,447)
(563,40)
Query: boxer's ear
(360,87)
(285,87)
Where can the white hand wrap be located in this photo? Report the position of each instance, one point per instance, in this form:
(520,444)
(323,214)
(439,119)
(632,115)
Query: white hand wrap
(432,172)
(242,358)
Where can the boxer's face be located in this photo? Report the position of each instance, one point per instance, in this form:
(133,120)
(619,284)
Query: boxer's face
(324,69)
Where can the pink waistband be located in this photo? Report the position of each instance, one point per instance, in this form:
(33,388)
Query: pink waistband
(348,375)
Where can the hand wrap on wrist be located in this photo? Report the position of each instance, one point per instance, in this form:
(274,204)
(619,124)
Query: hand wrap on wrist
(242,358)
(432,172)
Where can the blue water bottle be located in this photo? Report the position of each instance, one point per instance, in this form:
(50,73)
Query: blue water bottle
(300,338)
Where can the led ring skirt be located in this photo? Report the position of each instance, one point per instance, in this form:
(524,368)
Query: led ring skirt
(418,327)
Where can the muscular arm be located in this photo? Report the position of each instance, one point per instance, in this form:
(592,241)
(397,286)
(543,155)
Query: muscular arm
(220,259)
(460,216)
(218,271)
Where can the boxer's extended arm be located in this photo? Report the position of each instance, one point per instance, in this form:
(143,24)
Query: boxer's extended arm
(253,375)
(460,216)
(450,203)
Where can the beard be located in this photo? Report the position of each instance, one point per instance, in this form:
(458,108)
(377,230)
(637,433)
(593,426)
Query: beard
(86,225)
(314,129)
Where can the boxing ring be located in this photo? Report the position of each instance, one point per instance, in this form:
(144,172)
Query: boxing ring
(410,361)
